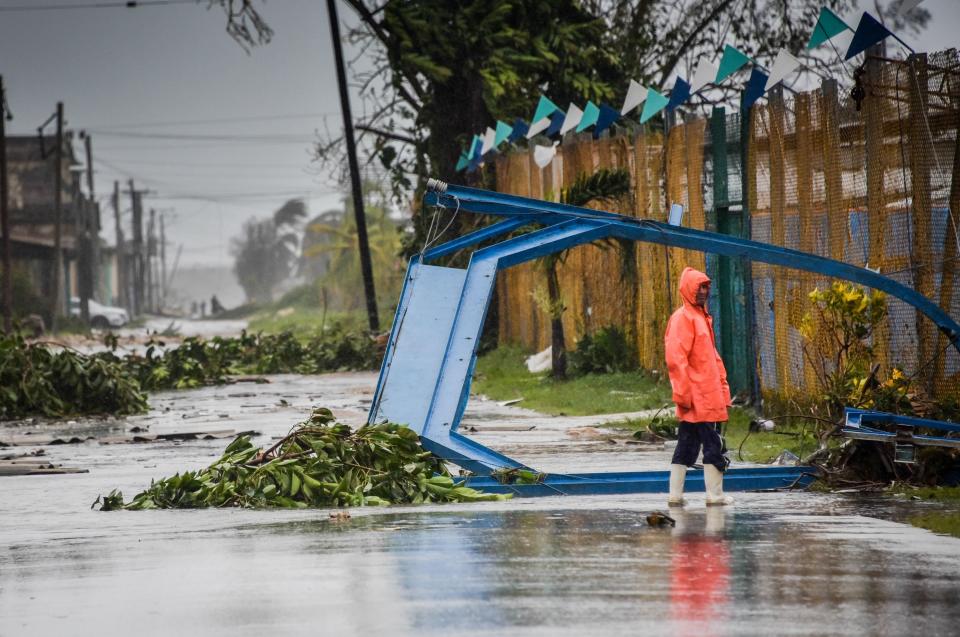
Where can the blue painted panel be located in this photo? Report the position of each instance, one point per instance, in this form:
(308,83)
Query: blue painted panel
(409,376)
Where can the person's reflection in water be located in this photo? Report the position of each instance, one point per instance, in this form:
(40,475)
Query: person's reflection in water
(700,573)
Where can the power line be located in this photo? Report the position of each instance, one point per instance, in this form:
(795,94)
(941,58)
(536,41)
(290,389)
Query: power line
(128,4)
(198,122)
(224,137)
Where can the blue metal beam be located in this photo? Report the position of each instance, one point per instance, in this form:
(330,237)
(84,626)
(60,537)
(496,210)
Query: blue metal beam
(749,479)
(863,417)
(481,201)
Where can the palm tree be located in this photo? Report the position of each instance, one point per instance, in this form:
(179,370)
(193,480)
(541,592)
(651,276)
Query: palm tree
(602,186)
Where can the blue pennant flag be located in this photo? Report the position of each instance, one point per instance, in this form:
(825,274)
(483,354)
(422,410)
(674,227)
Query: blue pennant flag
(608,116)
(520,129)
(755,88)
(556,123)
(475,147)
(463,162)
(679,94)
(868,33)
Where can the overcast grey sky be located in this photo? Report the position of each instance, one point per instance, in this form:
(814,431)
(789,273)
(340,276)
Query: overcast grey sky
(173,70)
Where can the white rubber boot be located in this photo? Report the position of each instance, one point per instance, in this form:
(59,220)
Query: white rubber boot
(713,480)
(678,474)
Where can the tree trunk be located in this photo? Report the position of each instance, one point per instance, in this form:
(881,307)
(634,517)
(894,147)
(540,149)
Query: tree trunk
(559,357)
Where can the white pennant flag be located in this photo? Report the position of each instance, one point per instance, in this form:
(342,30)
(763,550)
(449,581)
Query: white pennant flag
(906,6)
(572,118)
(543,155)
(538,127)
(784,65)
(841,42)
(636,94)
(488,139)
(705,74)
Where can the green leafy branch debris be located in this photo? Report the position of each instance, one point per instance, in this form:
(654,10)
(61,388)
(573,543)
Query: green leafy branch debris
(320,463)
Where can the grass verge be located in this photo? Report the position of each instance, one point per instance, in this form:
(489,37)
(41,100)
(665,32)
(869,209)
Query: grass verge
(303,322)
(744,445)
(502,375)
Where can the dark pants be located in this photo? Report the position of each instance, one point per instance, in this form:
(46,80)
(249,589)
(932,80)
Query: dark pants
(691,436)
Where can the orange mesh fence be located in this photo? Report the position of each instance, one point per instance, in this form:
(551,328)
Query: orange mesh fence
(875,184)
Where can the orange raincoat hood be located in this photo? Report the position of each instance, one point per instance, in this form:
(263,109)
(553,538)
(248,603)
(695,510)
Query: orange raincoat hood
(697,374)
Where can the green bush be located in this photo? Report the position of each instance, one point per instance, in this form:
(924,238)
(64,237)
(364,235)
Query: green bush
(604,352)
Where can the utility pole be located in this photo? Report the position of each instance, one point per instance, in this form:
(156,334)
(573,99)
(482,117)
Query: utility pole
(5,215)
(138,274)
(85,261)
(93,223)
(56,306)
(358,211)
(151,253)
(122,296)
(163,261)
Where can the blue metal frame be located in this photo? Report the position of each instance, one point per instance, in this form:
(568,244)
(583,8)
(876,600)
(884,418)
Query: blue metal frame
(860,424)
(565,227)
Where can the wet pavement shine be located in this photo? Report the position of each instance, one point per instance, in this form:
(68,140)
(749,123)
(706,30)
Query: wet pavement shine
(772,564)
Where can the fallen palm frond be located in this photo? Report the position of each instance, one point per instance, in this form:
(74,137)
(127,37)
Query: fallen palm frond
(320,463)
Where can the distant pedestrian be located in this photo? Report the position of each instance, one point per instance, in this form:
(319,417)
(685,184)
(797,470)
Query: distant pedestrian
(203,309)
(215,307)
(700,390)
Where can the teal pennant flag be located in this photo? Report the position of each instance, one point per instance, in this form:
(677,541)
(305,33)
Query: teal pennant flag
(503,133)
(829,25)
(731,62)
(590,114)
(654,104)
(463,162)
(545,108)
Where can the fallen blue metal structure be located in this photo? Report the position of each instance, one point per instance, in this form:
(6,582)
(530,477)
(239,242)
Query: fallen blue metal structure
(862,424)
(429,361)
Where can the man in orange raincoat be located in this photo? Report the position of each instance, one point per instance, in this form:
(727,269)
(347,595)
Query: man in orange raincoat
(700,390)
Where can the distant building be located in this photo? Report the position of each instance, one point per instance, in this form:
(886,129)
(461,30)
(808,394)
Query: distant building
(31,165)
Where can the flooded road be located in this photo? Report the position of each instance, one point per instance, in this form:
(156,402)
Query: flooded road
(775,563)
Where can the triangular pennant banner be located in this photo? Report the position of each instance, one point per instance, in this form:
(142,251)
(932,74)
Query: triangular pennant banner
(731,62)
(654,104)
(503,133)
(784,65)
(475,147)
(590,114)
(538,126)
(906,6)
(543,155)
(705,74)
(635,96)
(488,139)
(868,33)
(755,88)
(556,122)
(463,162)
(608,115)
(519,131)
(545,108)
(829,25)
(679,94)
(571,119)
